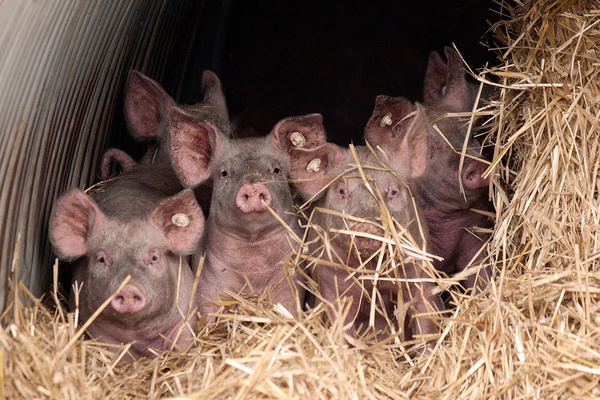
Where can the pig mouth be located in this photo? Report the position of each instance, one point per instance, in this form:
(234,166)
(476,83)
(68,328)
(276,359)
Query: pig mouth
(365,244)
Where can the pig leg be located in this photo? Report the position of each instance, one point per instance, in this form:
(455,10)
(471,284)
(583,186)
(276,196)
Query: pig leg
(468,247)
(334,285)
(426,306)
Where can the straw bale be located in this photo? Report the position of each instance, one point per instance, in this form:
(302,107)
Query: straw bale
(533,334)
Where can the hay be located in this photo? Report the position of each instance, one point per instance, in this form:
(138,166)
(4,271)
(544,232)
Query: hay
(533,334)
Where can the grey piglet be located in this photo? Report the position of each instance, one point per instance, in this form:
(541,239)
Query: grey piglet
(252,230)
(139,224)
(348,211)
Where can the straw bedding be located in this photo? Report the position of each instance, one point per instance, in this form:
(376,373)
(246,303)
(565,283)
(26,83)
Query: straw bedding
(533,334)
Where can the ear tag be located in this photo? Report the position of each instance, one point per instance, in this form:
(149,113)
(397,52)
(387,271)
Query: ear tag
(386,120)
(180,219)
(314,165)
(297,139)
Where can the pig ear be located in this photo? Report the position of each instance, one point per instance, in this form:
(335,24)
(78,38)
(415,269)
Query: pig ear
(310,167)
(213,94)
(303,131)
(146,106)
(74,216)
(125,161)
(472,175)
(456,93)
(181,220)
(410,153)
(387,120)
(436,77)
(192,143)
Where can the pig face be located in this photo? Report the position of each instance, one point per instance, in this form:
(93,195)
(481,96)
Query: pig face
(148,250)
(346,193)
(248,176)
(148,109)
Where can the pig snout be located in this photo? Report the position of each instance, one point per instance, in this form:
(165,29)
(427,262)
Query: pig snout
(251,196)
(472,175)
(364,244)
(129,300)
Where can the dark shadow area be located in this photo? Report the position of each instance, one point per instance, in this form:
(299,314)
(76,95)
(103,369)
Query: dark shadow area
(282,58)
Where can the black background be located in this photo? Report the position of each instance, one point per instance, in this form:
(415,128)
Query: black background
(282,58)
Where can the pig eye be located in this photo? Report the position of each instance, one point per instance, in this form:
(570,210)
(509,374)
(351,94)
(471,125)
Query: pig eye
(154,258)
(223,173)
(101,259)
(343,191)
(276,170)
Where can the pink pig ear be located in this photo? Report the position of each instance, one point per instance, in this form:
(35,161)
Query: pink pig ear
(310,167)
(456,93)
(192,144)
(303,131)
(388,119)
(409,153)
(213,93)
(125,161)
(181,220)
(74,216)
(436,77)
(147,106)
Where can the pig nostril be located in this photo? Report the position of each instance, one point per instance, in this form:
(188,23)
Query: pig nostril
(245,197)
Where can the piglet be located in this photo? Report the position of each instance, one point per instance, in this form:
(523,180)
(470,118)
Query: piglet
(130,228)
(347,265)
(449,189)
(252,228)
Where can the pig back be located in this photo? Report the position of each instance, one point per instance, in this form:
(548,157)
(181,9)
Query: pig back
(135,193)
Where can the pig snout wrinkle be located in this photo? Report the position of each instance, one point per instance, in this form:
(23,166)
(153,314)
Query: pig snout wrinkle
(251,196)
(129,300)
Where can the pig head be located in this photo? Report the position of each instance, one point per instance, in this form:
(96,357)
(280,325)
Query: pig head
(152,310)
(348,211)
(452,184)
(252,228)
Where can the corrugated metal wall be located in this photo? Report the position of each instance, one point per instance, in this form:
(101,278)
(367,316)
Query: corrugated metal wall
(63,64)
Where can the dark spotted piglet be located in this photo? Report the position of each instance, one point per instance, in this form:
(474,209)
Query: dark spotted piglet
(451,186)
(347,266)
(246,246)
(129,227)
